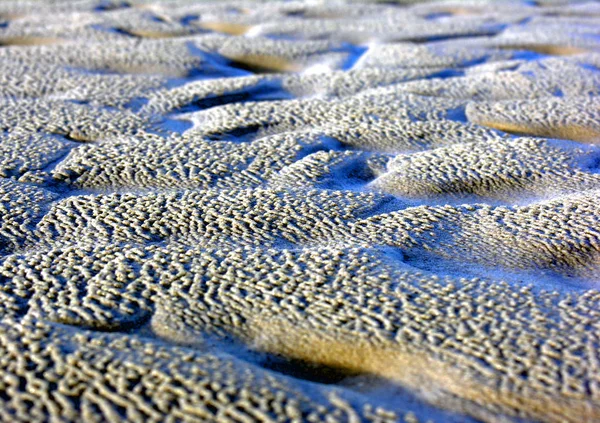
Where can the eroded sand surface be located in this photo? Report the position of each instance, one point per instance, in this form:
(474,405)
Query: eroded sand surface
(299,211)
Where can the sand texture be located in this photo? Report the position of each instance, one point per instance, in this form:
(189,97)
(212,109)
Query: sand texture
(299,211)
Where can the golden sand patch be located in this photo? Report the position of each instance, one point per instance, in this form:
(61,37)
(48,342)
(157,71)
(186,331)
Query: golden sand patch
(225,27)
(262,63)
(570,132)
(442,383)
(549,49)
(29,41)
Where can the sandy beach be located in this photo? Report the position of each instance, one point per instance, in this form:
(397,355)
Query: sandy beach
(299,211)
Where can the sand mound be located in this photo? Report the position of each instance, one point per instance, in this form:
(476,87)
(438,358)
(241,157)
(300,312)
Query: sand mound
(500,169)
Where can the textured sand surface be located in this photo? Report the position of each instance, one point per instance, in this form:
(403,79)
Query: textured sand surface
(341,211)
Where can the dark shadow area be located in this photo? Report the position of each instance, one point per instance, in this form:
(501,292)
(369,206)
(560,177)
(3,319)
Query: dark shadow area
(446,73)
(188,19)
(355,53)
(213,65)
(255,65)
(108,5)
(262,91)
(240,134)
(446,37)
(136,104)
(305,370)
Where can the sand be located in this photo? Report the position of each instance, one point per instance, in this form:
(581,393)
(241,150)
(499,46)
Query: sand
(278,211)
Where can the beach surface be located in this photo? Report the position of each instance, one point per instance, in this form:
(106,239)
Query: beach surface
(341,211)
